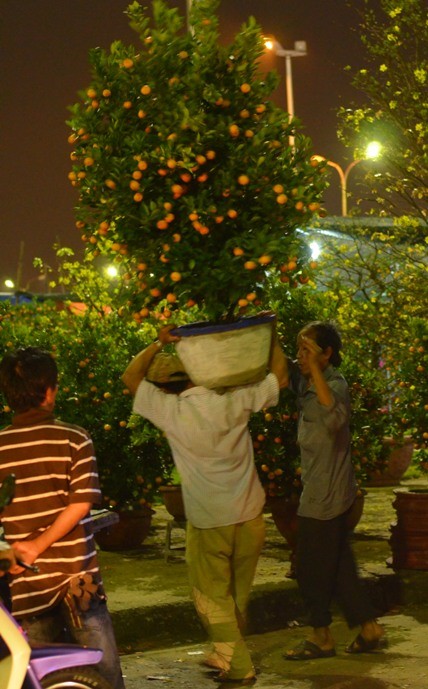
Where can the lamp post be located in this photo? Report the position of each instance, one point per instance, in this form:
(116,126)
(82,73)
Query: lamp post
(299,51)
(372,152)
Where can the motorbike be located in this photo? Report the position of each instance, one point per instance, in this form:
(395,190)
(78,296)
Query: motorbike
(42,666)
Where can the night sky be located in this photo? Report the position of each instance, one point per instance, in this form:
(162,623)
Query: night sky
(44,48)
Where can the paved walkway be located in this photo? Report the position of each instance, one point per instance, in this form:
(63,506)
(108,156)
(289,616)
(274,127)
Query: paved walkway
(162,642)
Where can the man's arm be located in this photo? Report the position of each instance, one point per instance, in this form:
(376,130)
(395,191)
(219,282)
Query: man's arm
(137,368)
(324,394)
(278,363)
(29,551)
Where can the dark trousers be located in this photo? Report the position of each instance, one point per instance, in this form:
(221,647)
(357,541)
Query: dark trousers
(326,569)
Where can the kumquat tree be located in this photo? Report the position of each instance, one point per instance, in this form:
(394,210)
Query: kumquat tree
(183,166)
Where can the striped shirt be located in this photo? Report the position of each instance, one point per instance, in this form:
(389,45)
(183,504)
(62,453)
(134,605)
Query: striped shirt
(55,466)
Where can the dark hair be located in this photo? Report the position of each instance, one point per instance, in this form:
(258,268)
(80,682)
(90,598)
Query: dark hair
(175,386)
(25,376)
(327,335)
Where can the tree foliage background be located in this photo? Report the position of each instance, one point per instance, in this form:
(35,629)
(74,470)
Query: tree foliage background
(394,81)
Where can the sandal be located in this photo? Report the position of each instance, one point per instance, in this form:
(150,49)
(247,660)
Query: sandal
(307,650)
(362,645)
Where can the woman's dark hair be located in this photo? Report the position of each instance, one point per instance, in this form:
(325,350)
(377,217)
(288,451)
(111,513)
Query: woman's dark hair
(327,335)
(25,376)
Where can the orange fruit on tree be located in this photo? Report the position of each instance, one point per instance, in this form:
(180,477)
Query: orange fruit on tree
(243,180)
(232,213)
(242,303)
(155,292)
(138,197)
(245,88)
(282,199)
(278,188)
(238,251)
(251,296)
(210,155)
(145,90)
(127,63)
(265,259)
(175,276)
(234,130)
(250,265)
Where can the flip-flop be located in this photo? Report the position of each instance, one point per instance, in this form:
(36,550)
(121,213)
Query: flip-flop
(307,650)
(362,645)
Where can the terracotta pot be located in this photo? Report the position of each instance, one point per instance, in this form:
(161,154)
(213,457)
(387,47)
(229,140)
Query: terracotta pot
(128,533)
(173,500)
(409,535)
(398,463)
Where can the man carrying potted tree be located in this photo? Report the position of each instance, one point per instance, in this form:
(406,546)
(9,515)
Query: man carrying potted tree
(212,448)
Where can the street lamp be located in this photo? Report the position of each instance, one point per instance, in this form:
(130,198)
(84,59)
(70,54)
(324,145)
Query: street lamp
(372,152)
(299,51)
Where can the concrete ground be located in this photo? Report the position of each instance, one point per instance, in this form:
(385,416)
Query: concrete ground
(161,641)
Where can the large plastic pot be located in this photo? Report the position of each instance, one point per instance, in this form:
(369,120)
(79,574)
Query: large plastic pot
(226,354)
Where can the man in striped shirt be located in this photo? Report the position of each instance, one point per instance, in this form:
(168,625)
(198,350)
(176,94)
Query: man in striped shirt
(48,523)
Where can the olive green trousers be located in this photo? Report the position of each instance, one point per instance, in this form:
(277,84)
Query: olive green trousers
(222,562)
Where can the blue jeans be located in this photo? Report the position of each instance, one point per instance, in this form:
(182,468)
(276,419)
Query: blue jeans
(93,628)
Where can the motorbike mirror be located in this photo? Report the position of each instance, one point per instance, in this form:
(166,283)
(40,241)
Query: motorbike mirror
(6,491)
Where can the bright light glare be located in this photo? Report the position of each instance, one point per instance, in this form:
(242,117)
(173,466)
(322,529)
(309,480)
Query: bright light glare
(9,284)
(373,150)
(268,44)
(315,250)
(112,272)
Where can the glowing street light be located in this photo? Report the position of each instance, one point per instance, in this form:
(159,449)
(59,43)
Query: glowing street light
(9,284)
(299,51)
(112,272)
(372,152)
